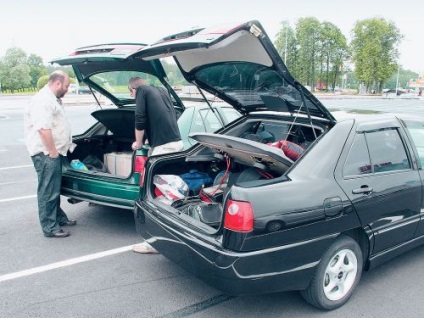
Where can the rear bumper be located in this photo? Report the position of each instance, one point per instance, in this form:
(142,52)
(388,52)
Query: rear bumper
(234,273)
(105,192)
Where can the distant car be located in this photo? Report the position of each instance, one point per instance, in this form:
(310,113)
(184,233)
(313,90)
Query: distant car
(72,89)
(83,90)
(76,89)
(201,118)
(112,169)
(294,200)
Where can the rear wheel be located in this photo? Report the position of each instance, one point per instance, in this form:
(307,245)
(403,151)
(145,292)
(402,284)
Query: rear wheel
(337,275)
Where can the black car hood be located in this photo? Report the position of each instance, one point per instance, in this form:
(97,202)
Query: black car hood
(247,152)
(239,64)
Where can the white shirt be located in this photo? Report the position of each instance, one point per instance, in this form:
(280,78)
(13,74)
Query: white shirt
(45,111)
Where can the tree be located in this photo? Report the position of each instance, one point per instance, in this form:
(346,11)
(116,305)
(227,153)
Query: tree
(42,81)
(316,52)
(333,54)
(404,77)
(308,36)
(286,44)
(14,70)
(375,51)
(36,69)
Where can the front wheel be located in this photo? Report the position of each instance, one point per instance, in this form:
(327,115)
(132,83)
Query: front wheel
(337,275)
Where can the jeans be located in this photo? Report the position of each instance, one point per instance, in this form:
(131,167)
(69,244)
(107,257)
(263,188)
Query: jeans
(49,171)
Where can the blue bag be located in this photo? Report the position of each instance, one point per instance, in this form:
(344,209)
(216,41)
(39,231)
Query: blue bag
(196,179)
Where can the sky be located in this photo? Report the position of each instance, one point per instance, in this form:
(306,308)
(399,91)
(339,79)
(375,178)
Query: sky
(52,29)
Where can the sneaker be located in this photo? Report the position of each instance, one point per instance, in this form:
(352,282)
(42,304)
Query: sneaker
(144,248)
(68,223)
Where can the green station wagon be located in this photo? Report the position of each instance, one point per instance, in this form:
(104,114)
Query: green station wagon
(108,171)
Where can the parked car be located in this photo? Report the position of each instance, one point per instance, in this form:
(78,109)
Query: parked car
(295,200)
(81,90)
(103,169)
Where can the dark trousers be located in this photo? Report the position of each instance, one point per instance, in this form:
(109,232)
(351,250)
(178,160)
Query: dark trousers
(49,171)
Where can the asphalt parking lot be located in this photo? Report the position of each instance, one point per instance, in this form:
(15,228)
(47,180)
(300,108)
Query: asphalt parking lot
(94,273)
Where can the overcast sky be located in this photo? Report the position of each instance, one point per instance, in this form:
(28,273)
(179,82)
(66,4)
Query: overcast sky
(54,28)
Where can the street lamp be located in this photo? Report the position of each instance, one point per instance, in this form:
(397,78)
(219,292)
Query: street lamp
(397,79)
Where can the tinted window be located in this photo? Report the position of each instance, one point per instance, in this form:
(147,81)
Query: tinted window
(358,161)
(387,151)
(416,130)
(254,84)
(375,152)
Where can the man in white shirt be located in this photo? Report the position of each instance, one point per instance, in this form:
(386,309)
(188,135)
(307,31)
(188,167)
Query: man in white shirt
(48,138)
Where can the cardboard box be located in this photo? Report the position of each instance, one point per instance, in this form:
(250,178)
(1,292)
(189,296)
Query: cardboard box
(118,163)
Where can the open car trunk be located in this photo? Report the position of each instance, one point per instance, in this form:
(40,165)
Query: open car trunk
(258,152)
(106,147)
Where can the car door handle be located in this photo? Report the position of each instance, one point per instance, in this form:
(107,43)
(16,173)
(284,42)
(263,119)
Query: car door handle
(363,190)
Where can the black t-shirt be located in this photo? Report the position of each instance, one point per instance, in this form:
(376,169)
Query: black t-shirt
(155,114)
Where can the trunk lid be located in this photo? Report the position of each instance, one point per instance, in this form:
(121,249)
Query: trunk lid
(107,68)
(239,64)
(246,152)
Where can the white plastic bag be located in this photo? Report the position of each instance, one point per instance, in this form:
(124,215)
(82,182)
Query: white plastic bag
(172,186)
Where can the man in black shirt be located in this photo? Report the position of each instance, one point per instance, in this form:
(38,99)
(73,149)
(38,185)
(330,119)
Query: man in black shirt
(155,118)
(155,123)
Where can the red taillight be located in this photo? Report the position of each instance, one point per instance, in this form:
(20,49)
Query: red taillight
(139,167)
(238,216)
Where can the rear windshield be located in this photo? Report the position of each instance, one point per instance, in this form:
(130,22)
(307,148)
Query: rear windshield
(116,82)
(254,85)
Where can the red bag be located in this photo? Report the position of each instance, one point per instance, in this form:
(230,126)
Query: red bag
(290,149)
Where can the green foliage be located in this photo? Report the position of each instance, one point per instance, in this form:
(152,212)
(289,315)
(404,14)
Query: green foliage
(36,69)
(42,81)
(21,73)
(333,54)
(174,74)
(404,77)
(14,70)
(318,55)
(374,51)
(314,52)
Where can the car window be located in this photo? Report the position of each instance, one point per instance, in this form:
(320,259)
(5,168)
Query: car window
(416,130)
(206,121)
(387,150)
(116,82)
(230,114)
(252,84)
(358,162)
(375,152)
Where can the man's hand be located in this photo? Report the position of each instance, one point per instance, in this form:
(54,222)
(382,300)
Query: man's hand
(136,145)
(54,154)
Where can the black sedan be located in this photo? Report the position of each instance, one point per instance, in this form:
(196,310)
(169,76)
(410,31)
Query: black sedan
(290,198)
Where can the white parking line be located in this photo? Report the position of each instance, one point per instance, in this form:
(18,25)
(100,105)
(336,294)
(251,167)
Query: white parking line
(16,167)
(18,198)
(68,262)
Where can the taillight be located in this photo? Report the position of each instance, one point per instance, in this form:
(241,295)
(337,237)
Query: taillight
(139,167)
(238,216)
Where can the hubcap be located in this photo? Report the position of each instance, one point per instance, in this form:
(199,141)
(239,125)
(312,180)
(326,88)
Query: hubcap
(340,274)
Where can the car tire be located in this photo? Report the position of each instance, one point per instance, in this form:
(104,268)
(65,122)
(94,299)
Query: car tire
(336,276)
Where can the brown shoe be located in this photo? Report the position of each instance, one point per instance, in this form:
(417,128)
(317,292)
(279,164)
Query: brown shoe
(60,233)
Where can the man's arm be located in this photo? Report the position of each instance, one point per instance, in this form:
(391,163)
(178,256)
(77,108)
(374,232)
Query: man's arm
(138,143)
(48,142)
